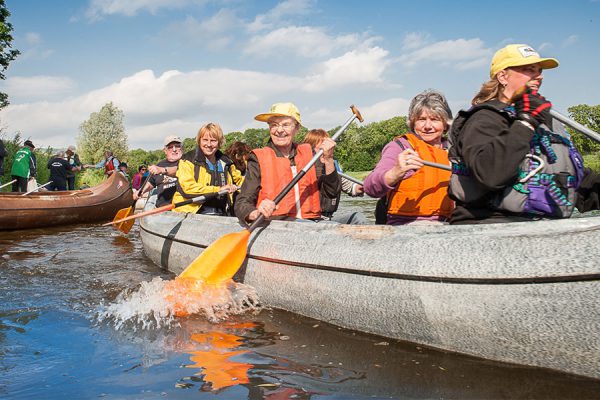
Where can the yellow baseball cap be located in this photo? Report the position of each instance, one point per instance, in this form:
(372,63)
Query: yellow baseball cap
(280,110)
(515,55)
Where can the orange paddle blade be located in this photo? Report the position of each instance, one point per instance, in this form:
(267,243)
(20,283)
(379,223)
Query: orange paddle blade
(122,214)
(221,260)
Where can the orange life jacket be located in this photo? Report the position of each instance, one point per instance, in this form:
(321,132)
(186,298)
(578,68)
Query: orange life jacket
(426,192)
(276,173)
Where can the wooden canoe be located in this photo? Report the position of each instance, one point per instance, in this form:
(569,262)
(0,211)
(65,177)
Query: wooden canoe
(40,209)
(524,293)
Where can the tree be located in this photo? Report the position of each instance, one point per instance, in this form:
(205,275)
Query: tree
(7,54)
(103,131)
(590,117)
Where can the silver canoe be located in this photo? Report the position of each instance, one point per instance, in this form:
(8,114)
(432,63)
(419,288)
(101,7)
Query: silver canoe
(525,293)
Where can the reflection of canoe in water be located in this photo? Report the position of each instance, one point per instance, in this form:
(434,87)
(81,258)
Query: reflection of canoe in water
(525,293)
(36,210)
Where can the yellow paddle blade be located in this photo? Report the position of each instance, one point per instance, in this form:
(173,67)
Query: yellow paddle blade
(221,260)
(126,226)
(123,213)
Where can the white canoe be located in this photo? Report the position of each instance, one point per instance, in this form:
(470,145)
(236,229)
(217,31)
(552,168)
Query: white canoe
(525,293)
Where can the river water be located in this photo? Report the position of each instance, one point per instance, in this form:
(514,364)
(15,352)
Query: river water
(54,283)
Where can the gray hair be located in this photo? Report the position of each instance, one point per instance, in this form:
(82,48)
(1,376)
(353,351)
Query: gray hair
(430,100)
(60,154)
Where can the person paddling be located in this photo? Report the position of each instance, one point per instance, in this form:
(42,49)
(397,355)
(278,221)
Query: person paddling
(272,167)
(511,161)
(207,170)
(411,193)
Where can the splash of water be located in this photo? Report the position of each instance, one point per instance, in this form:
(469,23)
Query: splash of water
(158,303)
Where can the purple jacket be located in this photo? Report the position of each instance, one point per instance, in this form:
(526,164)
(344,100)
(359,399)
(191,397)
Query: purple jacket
(375,185)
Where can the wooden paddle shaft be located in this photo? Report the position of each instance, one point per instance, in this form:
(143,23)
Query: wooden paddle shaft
(8,183)
(37,188)
(303,171)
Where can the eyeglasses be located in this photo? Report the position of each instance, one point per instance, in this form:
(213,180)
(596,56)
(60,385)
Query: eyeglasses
(174,146)
(288,126)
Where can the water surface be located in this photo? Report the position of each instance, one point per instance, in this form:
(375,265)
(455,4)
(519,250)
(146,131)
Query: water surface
(53,282)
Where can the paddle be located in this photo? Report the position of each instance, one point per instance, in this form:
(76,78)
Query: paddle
(37,188)
(8,183)
(575,125)
(169,207)
(221,260)
(125,224)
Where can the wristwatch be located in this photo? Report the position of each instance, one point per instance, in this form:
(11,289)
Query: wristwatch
(165,170)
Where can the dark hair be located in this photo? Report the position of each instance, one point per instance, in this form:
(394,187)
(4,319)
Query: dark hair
(123,164)
(141,167)
(238,152)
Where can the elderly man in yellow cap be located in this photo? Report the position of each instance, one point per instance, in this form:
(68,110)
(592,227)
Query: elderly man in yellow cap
(511,160)
(272,167)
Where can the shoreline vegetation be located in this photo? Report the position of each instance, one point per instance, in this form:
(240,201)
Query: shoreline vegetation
(358,151)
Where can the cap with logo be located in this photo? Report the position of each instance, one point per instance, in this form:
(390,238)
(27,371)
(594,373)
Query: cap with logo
(515,55)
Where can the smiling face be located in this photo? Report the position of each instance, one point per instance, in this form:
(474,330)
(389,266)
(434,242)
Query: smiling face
(209,145)
(430,127)
(173,151)
(282,131)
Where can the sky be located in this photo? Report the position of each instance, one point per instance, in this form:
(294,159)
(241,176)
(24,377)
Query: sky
(172,66)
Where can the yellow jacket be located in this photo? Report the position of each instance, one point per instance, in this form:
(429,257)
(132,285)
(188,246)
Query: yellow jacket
(194,179)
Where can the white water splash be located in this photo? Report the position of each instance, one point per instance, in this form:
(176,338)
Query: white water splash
(158,303)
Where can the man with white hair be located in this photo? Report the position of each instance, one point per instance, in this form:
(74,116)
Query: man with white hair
(73,160)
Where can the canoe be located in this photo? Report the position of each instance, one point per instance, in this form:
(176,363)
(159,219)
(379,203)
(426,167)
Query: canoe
(524,293)
(37,210)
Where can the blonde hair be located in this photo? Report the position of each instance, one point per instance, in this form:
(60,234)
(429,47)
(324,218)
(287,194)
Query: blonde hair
(214,131)
(490,90)
(315,136)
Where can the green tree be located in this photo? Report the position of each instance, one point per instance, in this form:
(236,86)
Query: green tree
(7,53)
(103,131)
(590,117)
(41,156)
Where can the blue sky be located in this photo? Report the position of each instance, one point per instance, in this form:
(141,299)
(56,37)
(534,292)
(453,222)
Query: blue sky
(174,65)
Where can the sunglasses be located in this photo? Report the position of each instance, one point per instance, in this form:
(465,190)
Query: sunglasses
(174,146)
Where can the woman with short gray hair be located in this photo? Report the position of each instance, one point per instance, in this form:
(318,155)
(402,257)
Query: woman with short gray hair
(410,193)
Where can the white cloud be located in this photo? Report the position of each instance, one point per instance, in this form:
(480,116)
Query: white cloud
(357,66)
(461,53)
(305,41)
(37,87)
(98,8)
(214,33)
(415,40)
(280,12)
(33,38)
(571,40)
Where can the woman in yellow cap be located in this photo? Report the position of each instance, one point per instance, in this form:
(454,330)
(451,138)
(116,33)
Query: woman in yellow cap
(511,161)
(271,168)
